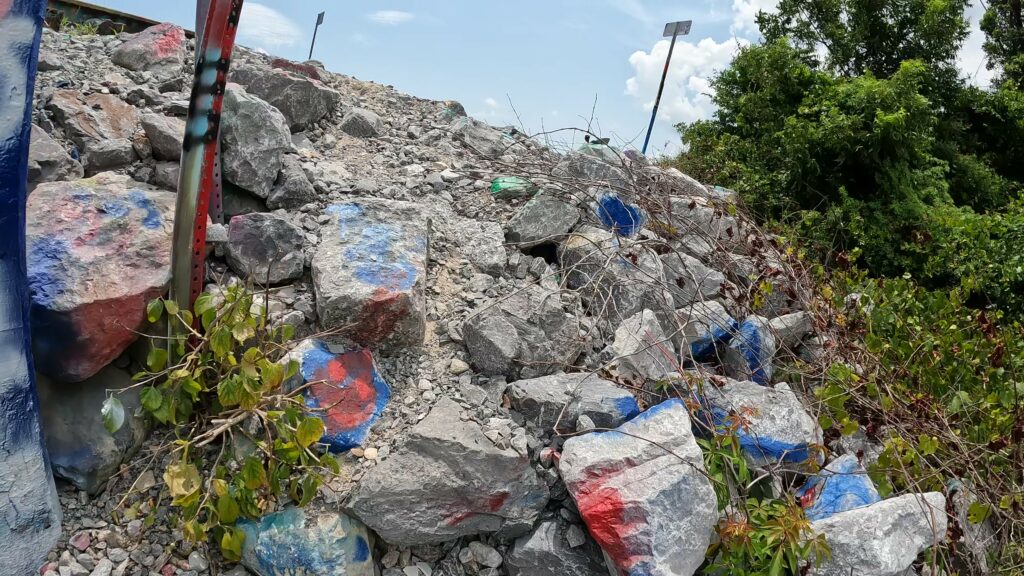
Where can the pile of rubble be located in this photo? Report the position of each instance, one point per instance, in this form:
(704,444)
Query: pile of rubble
(538,339)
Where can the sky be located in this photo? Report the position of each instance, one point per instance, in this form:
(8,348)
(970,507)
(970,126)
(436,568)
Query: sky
(538,65)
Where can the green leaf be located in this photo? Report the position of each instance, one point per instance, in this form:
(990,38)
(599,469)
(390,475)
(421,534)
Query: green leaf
(154,310)
(977,512)
(231,543)
(113,414)
(156,359)
(151,398)
(242,332)
(172,307)
(203,303)
(309,430)
(229,392)
(227,509)
(927,445)
(287,333)
(183,482)
(253,475)
(220,342)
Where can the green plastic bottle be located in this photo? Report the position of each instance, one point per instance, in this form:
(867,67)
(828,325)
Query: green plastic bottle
(505,187)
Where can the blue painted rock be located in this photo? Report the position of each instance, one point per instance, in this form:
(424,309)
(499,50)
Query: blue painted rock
(653,513)
(370,271)
(81,450)
(346,383)
(542,400)
(751,351)
(842,485)
(449,480)
(621,217)
(771,424)
(30,513)
(158,49)
(297,542)
(705,325)
(98,251)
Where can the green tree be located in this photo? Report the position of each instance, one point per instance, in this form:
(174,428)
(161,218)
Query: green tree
(1004,39)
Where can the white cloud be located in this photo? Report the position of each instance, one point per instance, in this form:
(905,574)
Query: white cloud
(687,95)
(266,28)
(635,9)
(491,102)
(744,16)
(971,59)
(391,17)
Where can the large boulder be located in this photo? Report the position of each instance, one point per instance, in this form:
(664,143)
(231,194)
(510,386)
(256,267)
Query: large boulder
(775,426)
(296,542)
(48,161)
(165,134)
(643,492)
(689,280)
(481,138)
(543,400)
(526,334)
(343,388)
(751,352)
(547,552)
(543,220)
(158,49)
(254,135)
(81,450)
(840,486)
(292,188)
(301,99)
(101,125)
(362,123)
(616,277)
(99,250)
(265,248)
(641,350)
(702,327)
(370,271)
(589,170)
(686,215)
(449,480)
(883,539)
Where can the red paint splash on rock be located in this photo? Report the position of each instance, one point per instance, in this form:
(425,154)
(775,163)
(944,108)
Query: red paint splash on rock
(169,39)
(610,520)
(468,508)
(381,315)
(303,69)
(348,390)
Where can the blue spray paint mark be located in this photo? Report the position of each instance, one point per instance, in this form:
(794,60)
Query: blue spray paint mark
(362,551)
(750,344)
(45,278)
(114,208)
(345,213)
(377,262)
(626,407)
(843,485)
(621,218)
(704,347)
(152,220)
(759,446)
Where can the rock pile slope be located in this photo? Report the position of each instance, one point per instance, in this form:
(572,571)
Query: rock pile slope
(545,333)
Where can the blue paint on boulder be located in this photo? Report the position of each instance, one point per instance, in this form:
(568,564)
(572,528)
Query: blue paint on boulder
(298,542)
(621,218)
(751,342)
(703,348)
(760,446)
(46,280)
(152,219)
(626,407)
(842,485)
(347,390)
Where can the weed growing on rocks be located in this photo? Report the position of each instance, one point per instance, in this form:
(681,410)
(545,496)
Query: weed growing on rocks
(228,400)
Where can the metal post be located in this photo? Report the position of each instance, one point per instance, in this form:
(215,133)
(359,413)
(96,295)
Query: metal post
(319,21)
(676,28)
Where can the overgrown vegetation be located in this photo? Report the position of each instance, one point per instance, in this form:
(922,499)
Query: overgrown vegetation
(245,441)
(850,130)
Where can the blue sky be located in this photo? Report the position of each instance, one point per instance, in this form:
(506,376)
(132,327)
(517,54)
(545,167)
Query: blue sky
(549,59)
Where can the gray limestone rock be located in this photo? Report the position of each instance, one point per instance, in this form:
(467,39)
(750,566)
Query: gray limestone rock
(689,280)
(265,248)
(544,219)
(48,161)
(642,350)
(448,480)
(292,188)
(362,123)
(546,552)
(543,400)
(254,136)
(165,135)
(301,99)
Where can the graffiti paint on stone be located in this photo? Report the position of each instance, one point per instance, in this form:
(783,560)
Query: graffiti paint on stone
(347,392)
(296,542)
(29,511)
(622,218)
(842,485)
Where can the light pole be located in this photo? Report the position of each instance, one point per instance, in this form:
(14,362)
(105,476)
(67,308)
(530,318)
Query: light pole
(673,29)
(319,21)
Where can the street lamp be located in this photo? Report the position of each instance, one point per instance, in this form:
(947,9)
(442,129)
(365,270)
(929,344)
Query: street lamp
(673,29)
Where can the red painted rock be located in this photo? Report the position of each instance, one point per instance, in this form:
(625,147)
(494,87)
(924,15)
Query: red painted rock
(99,250)
(370,271)
(643,493)
(158,49)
